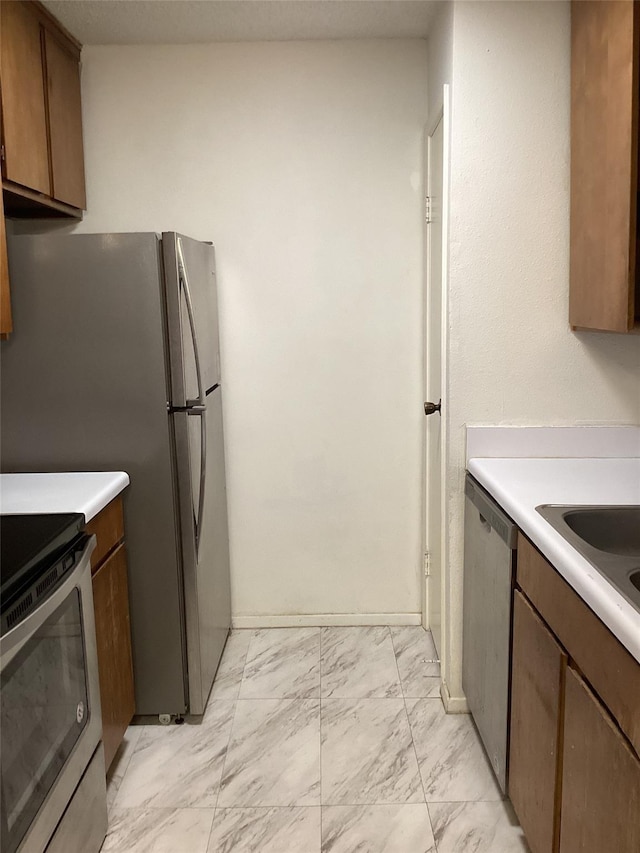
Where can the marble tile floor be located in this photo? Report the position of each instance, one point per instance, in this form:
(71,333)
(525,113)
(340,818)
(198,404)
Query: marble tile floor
(315,740)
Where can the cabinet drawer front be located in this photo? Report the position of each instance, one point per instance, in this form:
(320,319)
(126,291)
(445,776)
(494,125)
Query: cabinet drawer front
(600,778)
(536,705)
(108,527)
(604,661)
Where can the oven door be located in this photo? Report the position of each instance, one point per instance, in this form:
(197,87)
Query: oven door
(50,709)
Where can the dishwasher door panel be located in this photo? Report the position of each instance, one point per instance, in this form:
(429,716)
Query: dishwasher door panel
(488,570)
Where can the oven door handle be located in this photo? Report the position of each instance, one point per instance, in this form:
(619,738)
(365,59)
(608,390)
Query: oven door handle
(14,639)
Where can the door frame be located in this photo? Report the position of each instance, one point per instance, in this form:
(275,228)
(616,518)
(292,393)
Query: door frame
(442,113)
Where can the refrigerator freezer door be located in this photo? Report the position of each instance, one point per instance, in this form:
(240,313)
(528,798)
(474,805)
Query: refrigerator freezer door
(192,317)
(206,569)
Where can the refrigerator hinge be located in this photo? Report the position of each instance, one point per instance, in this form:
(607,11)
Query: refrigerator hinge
(193,409)
(427,209)
(426,564)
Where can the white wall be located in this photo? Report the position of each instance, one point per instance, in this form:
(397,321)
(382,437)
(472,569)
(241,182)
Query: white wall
(439,55)
(302,162)
(513,358)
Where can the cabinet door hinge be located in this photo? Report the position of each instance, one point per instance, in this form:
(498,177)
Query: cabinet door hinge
(427,209)
(426,564)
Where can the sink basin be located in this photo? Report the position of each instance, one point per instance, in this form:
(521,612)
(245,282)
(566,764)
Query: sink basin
(615,530)
(607,536)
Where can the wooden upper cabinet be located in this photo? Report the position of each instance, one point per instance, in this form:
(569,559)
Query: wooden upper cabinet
(601,778)
(605,63)
(65,122)
(26,155)
(43,167)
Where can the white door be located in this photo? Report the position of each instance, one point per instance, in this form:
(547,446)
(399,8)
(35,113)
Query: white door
(435,279)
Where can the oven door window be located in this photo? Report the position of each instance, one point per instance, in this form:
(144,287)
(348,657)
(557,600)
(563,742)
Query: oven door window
(44,710)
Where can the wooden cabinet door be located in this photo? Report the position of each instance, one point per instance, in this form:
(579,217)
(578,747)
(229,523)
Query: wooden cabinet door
(108,528)
(604,662)
(538,666)
(600,778)
(6,325)
(23,99)
(604,163)
(113,636)
(65,123)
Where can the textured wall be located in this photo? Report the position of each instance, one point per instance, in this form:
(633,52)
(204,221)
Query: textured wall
(513,358)
(302,162)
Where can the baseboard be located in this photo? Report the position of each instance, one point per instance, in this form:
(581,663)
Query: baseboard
(453,704)
(315,620)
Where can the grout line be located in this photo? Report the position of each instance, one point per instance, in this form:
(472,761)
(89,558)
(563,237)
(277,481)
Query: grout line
(395,658)
(244,662)
(233,719)
(226,752)
(432,832)
(372,805)
(413,743)
(415,752)
(124,773)
(125,767)
(320,731)
(259,808)
(213,818)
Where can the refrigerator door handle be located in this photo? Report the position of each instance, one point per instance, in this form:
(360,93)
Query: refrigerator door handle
(200,412)
(182,273)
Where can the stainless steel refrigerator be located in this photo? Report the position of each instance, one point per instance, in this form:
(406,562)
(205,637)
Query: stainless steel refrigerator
(114,365)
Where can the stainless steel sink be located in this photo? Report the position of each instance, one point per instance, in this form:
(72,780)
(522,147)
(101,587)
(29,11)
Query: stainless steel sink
(615,530)
(607,536)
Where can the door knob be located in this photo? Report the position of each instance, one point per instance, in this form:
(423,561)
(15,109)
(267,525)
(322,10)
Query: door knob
(431,408)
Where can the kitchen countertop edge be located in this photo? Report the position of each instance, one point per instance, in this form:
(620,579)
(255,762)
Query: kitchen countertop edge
(506,480)
(86,492)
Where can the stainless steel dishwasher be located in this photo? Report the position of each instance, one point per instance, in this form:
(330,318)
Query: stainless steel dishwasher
(490,539)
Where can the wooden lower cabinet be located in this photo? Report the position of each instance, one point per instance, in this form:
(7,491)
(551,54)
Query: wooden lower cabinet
(536,713)
(113,636)
(574,762)
(6,324)
(595,652)
(108,528)
(600,778)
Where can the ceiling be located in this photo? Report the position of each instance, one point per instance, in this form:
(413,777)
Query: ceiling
(192,21)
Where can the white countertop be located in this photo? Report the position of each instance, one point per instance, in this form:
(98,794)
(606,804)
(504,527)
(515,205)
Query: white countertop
(520,485)
(87,492)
